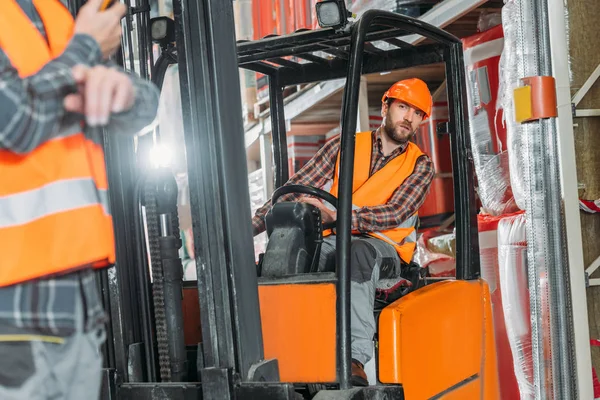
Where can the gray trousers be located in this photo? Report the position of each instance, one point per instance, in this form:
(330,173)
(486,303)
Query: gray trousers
(371,260)
(42,370)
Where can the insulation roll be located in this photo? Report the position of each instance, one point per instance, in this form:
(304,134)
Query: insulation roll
(512,259)
(488,133)
(490,269)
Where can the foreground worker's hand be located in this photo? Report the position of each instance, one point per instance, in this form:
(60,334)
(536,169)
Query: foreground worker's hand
(102,91)
(103,26)
(327,215)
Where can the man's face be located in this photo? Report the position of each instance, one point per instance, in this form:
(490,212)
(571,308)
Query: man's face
(400,120)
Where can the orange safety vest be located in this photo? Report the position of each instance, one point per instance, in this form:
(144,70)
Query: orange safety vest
(54,214)
(377,189)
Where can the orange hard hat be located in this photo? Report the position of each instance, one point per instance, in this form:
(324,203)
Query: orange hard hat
(412,91)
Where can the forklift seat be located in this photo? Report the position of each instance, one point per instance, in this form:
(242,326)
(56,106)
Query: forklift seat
(295,236)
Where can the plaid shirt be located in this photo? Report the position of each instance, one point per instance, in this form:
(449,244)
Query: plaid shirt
(405,201)
(31,112)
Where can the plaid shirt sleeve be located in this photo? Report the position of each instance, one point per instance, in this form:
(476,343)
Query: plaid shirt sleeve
(31,109)
(144,111)
(405,201)
(315,173)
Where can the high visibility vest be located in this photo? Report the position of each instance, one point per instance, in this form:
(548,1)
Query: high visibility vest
(54,214)
(377,189)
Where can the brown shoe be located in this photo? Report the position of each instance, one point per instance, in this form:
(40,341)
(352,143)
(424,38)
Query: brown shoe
(359,378)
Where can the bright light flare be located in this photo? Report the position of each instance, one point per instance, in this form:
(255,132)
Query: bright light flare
(160,156)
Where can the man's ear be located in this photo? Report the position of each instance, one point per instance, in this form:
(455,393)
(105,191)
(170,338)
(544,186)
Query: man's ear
(384,109)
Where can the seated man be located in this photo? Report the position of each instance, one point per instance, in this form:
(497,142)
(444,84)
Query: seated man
(391,179)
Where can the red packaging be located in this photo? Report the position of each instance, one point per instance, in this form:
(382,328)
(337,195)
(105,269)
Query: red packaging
(440,200)
(490,270)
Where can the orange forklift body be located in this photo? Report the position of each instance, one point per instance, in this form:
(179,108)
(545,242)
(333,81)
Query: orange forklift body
(436,340)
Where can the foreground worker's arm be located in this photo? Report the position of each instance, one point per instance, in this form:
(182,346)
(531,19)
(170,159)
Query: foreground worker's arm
(110,97)
(143,109)
(315,173)
(31,109)
(405,201)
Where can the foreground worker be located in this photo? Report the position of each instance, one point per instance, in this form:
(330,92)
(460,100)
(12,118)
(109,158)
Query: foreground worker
(55,226)
(385,217)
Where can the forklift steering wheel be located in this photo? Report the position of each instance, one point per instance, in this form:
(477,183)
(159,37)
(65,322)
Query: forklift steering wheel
(313,191)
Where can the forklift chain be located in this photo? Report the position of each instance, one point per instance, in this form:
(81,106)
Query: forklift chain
(158,295)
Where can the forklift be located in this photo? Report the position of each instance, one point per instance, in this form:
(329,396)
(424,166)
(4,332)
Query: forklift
(278,329)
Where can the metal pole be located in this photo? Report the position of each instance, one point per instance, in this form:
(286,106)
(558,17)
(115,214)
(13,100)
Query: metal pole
(266,157)
(467,253)
(278,132)
(559,51)
(344,234)
(554,377)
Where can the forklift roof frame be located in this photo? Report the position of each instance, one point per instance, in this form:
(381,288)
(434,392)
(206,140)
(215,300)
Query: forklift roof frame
(354,54)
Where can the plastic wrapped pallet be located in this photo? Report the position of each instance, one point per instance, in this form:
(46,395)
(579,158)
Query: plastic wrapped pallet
(512,57)
(488,134)
(490,270)
(512,259)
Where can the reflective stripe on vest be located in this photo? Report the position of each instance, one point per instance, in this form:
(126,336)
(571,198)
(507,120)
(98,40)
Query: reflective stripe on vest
(373,190)
(54,212)
(57,197)
(411,222)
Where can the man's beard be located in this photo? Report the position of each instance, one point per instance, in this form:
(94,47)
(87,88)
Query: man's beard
(394,133)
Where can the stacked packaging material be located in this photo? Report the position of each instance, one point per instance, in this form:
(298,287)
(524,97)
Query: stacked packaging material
(512,259)
(411,8)
(439,203)
(375,118)
(490,270)
(488,134)
(437,252)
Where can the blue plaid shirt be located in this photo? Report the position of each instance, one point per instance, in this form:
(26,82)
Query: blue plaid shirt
(31,112)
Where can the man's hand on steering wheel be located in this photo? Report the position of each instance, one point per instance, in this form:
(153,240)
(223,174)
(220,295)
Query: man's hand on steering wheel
(327,215)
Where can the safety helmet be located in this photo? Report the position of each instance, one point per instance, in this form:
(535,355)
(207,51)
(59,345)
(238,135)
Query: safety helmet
(412,91)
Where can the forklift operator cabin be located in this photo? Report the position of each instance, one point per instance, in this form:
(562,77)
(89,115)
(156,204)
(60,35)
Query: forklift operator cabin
(200,310)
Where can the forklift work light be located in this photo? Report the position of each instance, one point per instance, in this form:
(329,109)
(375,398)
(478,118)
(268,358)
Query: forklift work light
(332,14)
(160,156)
(162,30)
